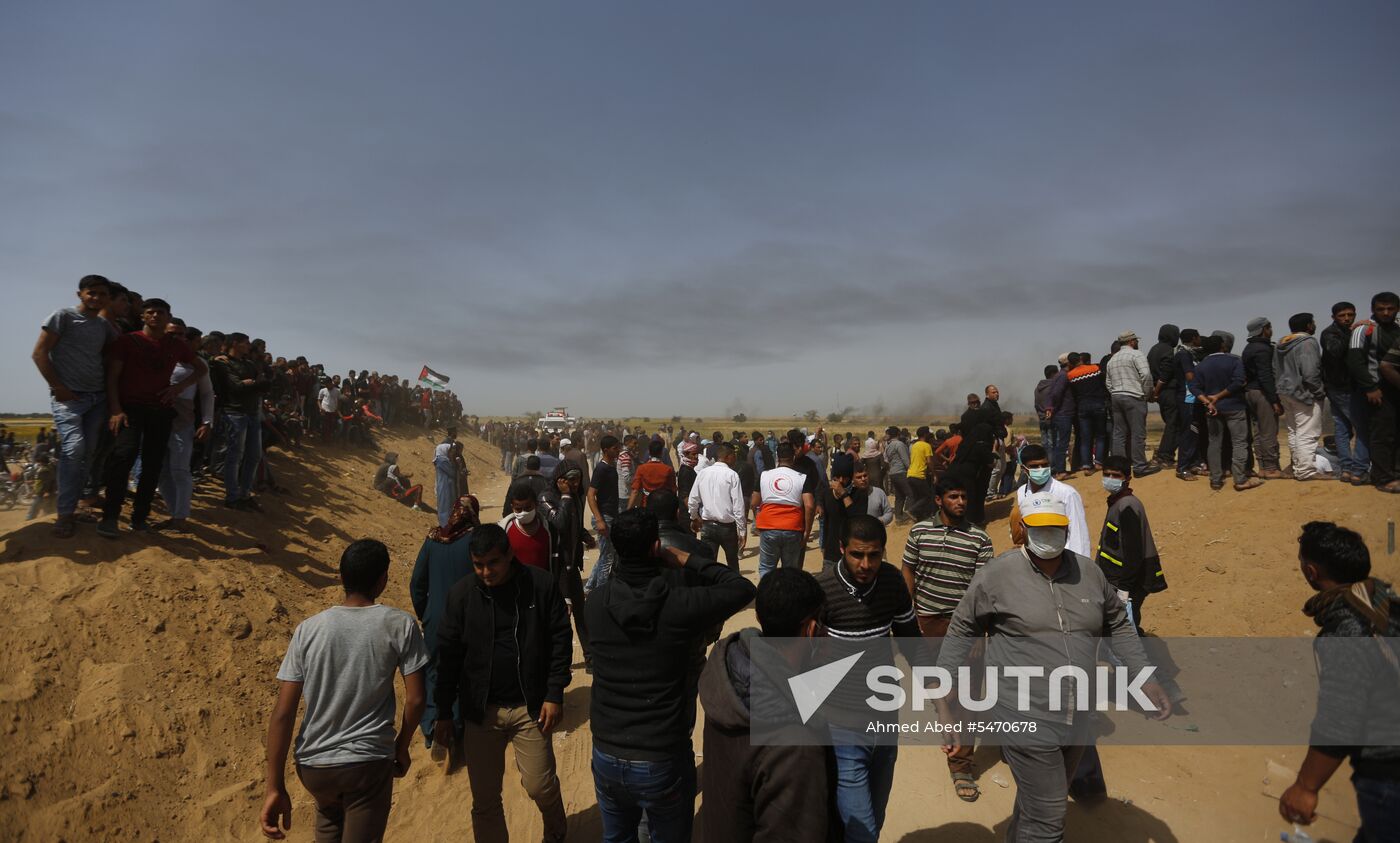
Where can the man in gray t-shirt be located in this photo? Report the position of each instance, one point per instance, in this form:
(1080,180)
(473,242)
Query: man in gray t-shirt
(343,662)
(69,354)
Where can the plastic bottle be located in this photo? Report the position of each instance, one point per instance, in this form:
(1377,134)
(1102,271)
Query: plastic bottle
(1297,835)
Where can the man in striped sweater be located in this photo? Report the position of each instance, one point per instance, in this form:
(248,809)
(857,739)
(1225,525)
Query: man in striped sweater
(942,554)
(866,600)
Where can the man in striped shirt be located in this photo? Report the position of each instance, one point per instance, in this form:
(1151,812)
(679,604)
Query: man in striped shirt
(940,558)
(865,600)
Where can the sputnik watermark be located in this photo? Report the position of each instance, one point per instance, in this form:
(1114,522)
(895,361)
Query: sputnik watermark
(1123,693)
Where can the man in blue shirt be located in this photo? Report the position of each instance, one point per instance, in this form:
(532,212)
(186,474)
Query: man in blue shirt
(1219,385)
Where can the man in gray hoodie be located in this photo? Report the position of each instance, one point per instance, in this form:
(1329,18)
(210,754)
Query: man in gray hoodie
(1298,378)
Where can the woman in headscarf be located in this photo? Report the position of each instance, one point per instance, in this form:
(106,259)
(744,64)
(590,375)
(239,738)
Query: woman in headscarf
(562,505)
(443,560)
(445,480)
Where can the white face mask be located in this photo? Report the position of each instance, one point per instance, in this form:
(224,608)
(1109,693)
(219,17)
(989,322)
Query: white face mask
(1046,542)
(527,517)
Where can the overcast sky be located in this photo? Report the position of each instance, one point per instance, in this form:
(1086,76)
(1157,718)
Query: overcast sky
(642,208)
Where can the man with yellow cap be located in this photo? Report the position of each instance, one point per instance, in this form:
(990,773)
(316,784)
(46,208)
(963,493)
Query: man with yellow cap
(1021,601)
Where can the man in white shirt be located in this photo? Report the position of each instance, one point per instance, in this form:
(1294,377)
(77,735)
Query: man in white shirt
(1037,464)
(1130,382)
(328,399)
(716,504)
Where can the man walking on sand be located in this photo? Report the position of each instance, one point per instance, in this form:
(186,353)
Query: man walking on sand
(504,650)
(940,558)
(343,662)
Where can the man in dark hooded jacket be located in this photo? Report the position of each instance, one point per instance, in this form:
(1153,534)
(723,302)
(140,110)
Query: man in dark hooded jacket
(644,622)
(1166,391)
(1357,703)
(761,792)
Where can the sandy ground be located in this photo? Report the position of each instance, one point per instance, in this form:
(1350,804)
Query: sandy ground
(136,675)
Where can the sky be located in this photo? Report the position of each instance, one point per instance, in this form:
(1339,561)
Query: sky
(654,209)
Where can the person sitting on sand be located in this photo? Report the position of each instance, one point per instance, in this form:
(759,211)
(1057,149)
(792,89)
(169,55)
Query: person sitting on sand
(397,484)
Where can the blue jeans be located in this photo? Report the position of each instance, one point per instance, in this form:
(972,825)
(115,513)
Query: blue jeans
(1378,802)
(779,546)
(1354,456)
(176,482)
(244,435)
(78,424)
(602,569)
(662,790)
(864,777)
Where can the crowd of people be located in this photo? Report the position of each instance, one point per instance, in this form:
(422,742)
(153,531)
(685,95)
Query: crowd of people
(144,404)
(142,400)
(502,602)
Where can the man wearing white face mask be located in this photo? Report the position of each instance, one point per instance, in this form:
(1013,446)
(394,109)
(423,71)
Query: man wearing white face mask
(1018,602)
(1036,461)
(531,541)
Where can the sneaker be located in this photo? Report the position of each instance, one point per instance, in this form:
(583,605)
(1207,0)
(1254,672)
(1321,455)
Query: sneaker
(63,528)
(107,528)
(1251,483)
(1186,475)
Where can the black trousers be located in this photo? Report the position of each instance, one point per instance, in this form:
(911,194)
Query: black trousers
(1169,406)
(715,536)
(146,433)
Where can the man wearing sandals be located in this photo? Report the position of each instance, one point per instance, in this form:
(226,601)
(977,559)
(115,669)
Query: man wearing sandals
(940,557)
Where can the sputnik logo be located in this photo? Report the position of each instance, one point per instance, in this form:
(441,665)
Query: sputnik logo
(810,689)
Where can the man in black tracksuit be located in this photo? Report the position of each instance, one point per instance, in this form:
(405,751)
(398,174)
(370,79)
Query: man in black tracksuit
(1166,390)
(644,624)
(504,648)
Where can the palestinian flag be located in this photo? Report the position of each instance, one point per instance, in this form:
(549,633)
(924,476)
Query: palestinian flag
(432,379)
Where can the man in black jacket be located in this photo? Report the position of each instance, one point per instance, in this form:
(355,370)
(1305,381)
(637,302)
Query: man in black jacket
(1350,425)
(644,622)
(1166,391)
(504,649)
(1261,396)
(761,792)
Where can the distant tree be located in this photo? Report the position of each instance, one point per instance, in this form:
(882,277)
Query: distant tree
(675,419)
(698,420)
(740,418)
(647,419)
(811,415)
